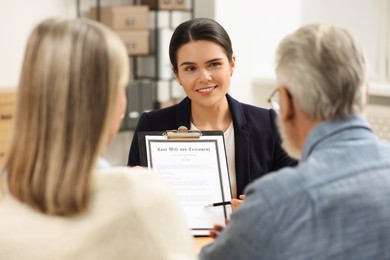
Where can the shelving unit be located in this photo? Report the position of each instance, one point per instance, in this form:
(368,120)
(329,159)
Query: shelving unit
(146,80)
(7,110)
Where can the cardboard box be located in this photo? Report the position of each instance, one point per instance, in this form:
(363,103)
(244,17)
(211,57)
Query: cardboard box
(158,4)
(182,4)
(137,42)
(123,17)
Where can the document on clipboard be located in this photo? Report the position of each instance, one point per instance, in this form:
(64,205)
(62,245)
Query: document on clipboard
(194,164)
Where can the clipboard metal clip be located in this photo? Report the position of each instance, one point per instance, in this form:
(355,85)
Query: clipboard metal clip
(182,133)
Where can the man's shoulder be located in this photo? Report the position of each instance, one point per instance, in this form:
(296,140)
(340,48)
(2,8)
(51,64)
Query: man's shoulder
(292,183)
(279,187)
(320,174)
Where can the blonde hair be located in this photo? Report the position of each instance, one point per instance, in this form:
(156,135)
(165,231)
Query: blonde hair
(71,73)
(325,69)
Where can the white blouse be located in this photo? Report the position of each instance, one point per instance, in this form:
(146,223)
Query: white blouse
(230,154)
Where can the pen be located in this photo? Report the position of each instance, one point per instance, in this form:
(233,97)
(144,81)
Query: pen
(216,204)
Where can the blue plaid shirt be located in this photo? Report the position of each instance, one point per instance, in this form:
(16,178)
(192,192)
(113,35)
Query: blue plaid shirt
(334,205)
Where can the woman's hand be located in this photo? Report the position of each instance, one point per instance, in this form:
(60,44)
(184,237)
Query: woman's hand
(237,202)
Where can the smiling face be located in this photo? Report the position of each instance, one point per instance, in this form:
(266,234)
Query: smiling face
(204,71)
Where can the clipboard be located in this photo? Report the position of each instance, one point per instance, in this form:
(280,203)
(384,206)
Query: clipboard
(194,164)
(182,133)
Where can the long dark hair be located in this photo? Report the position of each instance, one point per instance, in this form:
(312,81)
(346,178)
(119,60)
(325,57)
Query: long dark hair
(199,29)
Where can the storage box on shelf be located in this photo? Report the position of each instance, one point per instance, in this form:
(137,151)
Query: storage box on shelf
(130,22)
(182,4)
(137,42)
(158,4)
(123,17)
(168,4)
(7,107)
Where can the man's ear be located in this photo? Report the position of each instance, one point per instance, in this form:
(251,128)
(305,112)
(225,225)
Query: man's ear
(366,95)
(287,108)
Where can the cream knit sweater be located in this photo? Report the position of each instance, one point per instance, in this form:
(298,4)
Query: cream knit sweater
(131,215)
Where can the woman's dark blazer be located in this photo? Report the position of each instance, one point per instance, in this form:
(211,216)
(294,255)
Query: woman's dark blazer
(257,141)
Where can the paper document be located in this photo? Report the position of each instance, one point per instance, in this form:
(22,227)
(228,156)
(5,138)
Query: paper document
(197,171)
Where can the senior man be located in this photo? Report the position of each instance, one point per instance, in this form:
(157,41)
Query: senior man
(336,203)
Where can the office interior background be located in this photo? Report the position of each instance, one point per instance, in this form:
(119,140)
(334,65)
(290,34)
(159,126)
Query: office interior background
(255,28)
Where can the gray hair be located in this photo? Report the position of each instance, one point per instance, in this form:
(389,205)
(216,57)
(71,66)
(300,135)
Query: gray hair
(324,69)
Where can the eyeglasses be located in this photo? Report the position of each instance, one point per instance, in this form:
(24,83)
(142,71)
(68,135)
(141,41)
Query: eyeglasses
(274,100)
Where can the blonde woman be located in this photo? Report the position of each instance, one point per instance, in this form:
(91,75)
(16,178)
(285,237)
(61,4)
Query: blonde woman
(59,199)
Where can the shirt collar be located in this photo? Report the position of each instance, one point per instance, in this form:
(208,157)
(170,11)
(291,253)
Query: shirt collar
(331,128)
